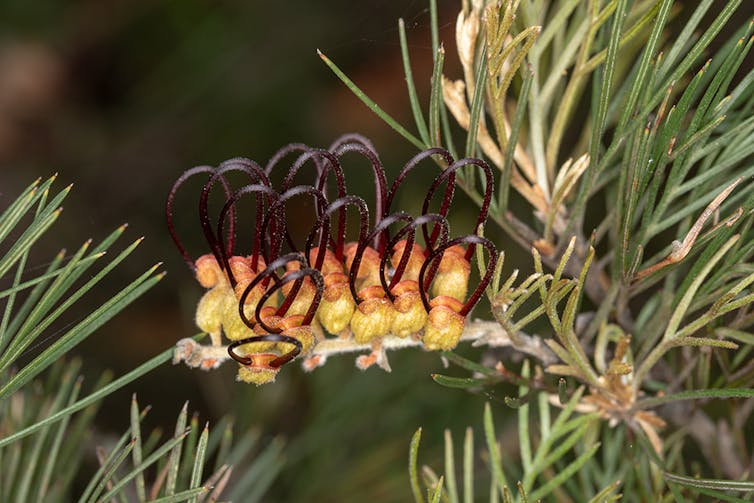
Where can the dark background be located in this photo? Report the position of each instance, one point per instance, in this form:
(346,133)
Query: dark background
(119,97)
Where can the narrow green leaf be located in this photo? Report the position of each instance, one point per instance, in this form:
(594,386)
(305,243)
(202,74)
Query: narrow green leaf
(599,124)
(34,452)
(26,240)
(175,455)
(741,336)
(434,26)
(34,297)
(99,475)
(189,453)
(112,464)
(679,497)
(721,496)
(562,391)
(697,394)
(468,467)
(459,382)
(47,276)
(510,147)
(438,491)
(224,446)
(564,474)
(39,319)
(722,485)
(201,450)
(153,458)
(682,41)
(189,494)
(252,486)
(413,473)
(82,330)
(605,495)
(22,204)
(141,493)
(476,103)
(101,392)
(468,364)
(53,454)
(542,463)
(421,125)
(683,303)
(489,434)
(450,468)
(371,104)
(435,100)
(677,69)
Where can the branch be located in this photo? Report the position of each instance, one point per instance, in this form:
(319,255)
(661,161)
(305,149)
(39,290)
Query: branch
(480,333)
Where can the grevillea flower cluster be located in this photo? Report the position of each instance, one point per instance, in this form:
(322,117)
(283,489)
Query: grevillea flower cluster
(404,275)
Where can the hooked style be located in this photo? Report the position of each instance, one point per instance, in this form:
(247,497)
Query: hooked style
(279,300)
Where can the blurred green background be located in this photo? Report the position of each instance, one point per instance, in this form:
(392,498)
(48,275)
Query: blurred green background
(119,97)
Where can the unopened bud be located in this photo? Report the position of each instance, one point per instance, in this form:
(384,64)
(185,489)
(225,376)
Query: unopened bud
(453,275)
(373,317)
(410,315)
(444,324)
(208,272)
(337,305)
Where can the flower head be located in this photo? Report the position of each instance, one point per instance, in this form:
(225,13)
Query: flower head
(275,301)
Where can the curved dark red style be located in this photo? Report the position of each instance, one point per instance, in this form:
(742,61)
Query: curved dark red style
(292,288)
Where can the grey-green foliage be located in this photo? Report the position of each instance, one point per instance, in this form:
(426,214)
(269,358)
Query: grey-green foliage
(550,458)
(46,424)
(33,303)
(647,235)
(194,464)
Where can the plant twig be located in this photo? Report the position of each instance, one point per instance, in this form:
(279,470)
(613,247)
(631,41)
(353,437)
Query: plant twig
(480,333)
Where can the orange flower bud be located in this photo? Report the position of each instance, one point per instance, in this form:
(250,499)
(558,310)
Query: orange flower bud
(444,324)
(254,296)
(240,268)
(415,260)
(410,315)
(268,316)
(208,271)
(337,305)
(453,275)
(330,265)
(369,270)
(373,317)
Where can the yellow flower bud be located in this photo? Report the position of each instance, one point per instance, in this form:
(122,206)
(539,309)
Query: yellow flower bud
(233,326)
(373,317)
(410,315)
(258,372)
(305,335)
(453,275)
(444,324)
(337,306)
(209,311)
